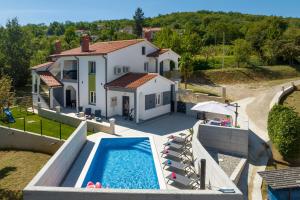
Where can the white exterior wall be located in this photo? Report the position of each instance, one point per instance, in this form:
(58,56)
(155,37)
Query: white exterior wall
(130,56)
(117,110)
(166,57)
(152,65)
(84,82)
(156,85)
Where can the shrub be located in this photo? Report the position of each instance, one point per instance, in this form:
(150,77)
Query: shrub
(284,130)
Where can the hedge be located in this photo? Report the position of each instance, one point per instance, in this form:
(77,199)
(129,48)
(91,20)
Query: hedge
(284,130)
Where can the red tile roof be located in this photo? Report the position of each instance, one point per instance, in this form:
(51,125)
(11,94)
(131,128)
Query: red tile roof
(49,79)
(131,80)
(42,65)
(158,52)
(100,48)
(154,29)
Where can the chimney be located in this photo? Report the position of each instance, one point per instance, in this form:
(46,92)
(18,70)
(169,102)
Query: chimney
(85,43)
(57,47)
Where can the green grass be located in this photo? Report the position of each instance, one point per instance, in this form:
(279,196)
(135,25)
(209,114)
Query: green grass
(244,75)
(17,168)
(293,100)
(198,89)
(215,62)
(33,124)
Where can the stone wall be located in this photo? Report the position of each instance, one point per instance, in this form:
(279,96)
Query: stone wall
(19,140)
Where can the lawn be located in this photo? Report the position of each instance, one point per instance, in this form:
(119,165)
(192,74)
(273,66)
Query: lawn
(33,124)
(17,168)
(244,75)
(293,100)
(199,89)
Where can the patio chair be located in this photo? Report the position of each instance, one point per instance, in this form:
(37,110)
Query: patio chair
(177,139)
(98,116)
(183,180)
(176,146)
(175,154)
(175,165)
(88,113)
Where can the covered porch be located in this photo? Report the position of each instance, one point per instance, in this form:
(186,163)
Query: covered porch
(164,60)
(46,89)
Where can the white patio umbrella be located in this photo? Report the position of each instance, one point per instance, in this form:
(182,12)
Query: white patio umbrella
(214,107)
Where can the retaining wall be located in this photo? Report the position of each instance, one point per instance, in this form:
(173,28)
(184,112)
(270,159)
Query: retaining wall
(19,140)
(92,126)
(56,168)
(226,139)
(214,174)
(279,95)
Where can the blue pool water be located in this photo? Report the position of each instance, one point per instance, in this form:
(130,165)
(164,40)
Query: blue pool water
(124,163)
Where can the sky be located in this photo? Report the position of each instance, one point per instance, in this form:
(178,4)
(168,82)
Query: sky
(46,11)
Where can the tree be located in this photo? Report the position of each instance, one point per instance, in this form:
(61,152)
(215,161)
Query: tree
(263,34)
(167,38)
(207,52)
(290,45)
(186,67)
(6,94)
(139,22)
(242,51)
(284,130)
(16,49)
(191,41)
(56,28)
(71,38)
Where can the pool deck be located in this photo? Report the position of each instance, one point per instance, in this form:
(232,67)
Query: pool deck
(158,128)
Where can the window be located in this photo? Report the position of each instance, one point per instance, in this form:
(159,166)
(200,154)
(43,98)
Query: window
(143,50)
(149,101)
(158,99)
(117,70)
(92,67)
(92,97)
(113,102)
(166,98)
(125,69)
(146,66)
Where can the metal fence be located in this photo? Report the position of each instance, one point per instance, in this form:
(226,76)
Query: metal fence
(41,126)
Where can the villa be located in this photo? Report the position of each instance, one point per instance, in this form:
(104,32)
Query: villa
(123,78)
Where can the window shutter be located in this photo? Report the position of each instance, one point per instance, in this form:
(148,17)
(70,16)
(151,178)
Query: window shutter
(166,98)
(149,101)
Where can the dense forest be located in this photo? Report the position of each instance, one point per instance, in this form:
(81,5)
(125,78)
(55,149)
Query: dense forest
(247,40)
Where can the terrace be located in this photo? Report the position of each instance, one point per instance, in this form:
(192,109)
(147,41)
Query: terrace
(79,150)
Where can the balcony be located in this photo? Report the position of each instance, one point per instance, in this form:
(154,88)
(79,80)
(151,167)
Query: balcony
(70,75)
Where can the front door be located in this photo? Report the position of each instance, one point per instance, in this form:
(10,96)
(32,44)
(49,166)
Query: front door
(68,98)
(161,68)
(125,106)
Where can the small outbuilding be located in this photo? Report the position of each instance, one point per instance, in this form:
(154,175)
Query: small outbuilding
(283,184)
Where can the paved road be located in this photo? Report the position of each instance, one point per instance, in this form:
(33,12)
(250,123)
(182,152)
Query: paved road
(257,109)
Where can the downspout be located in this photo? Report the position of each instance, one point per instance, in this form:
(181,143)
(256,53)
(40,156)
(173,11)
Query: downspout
(105,58)
(156,65)
(78,87)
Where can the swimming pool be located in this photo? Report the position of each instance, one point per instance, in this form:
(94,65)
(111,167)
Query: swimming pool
(123,163)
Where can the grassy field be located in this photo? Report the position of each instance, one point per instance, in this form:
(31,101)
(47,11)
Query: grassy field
(17,168)
(244,75)
(33,124)
(199,89)
(293,100)
(215,62)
